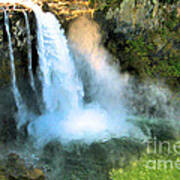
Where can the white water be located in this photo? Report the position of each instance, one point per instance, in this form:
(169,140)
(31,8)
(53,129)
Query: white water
(21,109)
(29,52)
(61,88)
(66,116)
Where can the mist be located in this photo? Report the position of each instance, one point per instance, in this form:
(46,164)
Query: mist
(106,103)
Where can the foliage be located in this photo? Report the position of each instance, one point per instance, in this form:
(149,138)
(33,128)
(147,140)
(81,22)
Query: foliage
(155,55)
(169,1)
(150,53)
(140,170)
(105,4)
(93,161)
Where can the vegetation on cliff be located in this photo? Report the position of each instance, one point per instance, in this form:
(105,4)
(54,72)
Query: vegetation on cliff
(146,46)
(144,38)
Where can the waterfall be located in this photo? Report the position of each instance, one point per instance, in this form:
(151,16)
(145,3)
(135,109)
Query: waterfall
(29,52)
(61,87)
(84,98)
(15,90)
(65,114)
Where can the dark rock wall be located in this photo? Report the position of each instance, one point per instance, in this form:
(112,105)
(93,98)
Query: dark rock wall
(19,43)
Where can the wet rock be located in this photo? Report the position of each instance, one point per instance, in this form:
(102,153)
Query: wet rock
(15,168)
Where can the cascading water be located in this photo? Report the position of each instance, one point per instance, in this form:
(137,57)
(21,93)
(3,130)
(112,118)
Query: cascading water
(29,52)
(61,88)
(21,109)
(17,96)
(66,113)
(84,100)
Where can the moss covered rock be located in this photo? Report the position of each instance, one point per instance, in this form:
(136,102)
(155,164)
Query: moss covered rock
(144,37)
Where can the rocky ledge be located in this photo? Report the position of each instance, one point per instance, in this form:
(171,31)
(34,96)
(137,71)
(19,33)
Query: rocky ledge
(13,167)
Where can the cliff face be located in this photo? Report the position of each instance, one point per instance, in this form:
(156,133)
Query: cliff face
(16,168)
(144,37)
(18,32)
